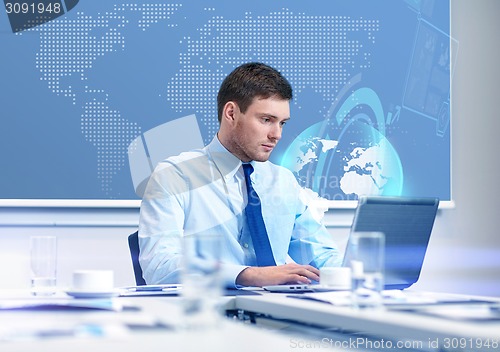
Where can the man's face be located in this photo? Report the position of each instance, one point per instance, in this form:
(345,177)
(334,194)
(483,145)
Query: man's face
(257,131)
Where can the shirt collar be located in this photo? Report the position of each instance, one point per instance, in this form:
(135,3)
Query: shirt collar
(227,163)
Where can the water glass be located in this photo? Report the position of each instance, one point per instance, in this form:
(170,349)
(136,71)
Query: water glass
(43,257)
(201,281)
(366,252)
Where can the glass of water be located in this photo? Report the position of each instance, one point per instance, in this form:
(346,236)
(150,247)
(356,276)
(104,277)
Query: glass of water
(43,255)
(366,253)
(201,281)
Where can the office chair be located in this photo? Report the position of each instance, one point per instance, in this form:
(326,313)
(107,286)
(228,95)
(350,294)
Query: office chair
(133,244)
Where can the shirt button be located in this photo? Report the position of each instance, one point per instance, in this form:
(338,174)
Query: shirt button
(245,245)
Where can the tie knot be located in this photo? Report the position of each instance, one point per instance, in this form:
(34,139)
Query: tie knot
(247,169)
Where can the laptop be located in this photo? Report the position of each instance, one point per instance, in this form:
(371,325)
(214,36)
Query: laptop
(407,223)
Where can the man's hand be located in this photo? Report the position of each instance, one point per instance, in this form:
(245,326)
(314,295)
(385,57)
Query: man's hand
(278,275)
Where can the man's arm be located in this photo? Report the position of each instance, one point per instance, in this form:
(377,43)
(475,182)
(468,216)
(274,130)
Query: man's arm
(276,275)
(311,242)
(161,228)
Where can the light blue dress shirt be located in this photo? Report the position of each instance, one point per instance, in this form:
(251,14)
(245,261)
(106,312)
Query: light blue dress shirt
(204,192)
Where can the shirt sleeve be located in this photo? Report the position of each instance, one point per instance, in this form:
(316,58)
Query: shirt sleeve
(161,226)
(311,243)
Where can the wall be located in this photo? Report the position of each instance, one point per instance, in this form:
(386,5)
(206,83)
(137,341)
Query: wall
(88,238)
(465,250)
(464,253)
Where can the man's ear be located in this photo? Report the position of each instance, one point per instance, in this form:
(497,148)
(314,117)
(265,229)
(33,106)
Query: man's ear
(229,112)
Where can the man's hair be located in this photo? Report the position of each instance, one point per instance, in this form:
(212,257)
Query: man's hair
(249,81)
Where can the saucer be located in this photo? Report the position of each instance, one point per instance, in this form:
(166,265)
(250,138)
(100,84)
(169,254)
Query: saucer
(93,294)
(326,288)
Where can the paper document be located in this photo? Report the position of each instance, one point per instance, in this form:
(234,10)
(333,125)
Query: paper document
(390,298)
(150,290)
(64,303)
(469,312)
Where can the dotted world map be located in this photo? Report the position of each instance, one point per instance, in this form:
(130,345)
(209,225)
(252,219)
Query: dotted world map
(120,69)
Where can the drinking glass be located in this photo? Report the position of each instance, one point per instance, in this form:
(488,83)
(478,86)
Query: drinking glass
(366,253)
(201,281)
(43,257)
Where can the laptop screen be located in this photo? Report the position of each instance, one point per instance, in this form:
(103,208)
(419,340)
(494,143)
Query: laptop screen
(407,225)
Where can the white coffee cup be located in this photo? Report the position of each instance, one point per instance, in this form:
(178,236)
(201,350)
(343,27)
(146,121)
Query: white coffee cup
(93,280)
(336,277)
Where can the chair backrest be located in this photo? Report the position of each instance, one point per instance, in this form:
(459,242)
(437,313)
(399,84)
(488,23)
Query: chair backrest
(133,244)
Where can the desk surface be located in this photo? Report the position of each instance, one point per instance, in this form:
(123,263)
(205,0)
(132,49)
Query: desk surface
(152,326)
(390,324)
(154,323)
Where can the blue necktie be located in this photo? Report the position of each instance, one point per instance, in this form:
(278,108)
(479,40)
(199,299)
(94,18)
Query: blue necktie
(253,212)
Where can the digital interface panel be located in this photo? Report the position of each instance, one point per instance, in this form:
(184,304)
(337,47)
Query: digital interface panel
(92,96)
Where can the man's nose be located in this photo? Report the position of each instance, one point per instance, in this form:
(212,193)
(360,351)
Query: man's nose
(275,132)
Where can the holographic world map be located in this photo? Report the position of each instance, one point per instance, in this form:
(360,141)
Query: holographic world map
(91,100)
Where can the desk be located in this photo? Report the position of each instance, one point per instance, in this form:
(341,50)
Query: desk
(387,324)
(153,326)
(230,336)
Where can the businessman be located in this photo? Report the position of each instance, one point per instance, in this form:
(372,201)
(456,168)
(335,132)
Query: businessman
(270,234)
